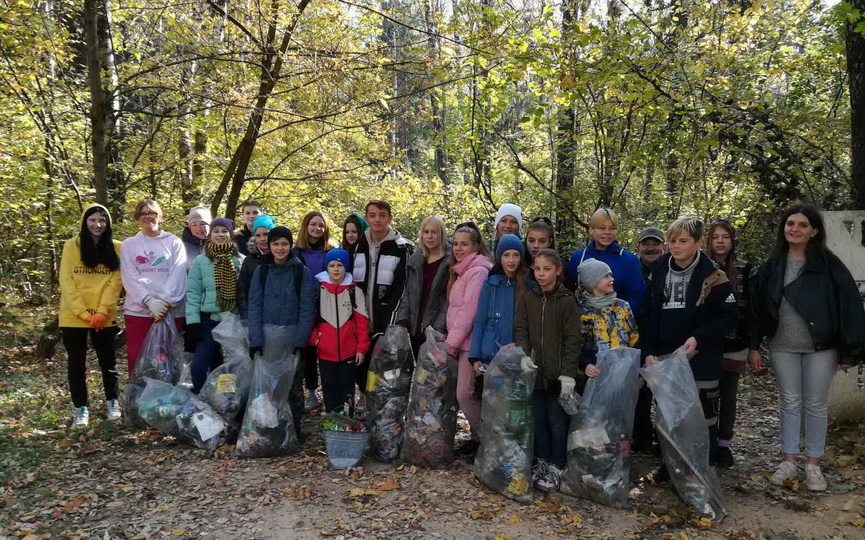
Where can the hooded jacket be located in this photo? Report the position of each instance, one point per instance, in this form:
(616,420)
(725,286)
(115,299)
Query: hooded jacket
(463,299)
(162,261)
(201,293)
(342,330)
(547,327)
(628,277)
(277,302)
(252,261)
(84,290)
(436,309)
(381,274)
(494,321)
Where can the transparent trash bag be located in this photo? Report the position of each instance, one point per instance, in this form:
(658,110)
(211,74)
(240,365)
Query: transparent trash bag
(227,386)
(684,435)
(129,405)
(267,428)
(178,412)
(387,389)
(161,355)
(185,378)
(599,457)
(431,419)
(504,459)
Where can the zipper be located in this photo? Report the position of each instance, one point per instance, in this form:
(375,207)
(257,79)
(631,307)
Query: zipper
(543,315)
(338,345)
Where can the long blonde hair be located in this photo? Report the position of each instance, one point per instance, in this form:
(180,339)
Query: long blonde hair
(439,224)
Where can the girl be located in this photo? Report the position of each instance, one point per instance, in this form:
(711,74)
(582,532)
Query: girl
(211,288)
(425,302)
(547,327)
(89,288)
(722,250)
(352,228)
(259,252)
(540,235)
(313,241)
(494,321)
(195,233)
(153,270)
(806,302)
(470,265)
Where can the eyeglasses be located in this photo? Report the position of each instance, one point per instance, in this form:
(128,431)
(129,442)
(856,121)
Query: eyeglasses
(148,214)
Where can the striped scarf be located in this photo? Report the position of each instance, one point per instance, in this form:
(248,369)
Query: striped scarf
(224,273)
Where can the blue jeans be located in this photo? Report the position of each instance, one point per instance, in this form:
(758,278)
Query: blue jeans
(551,427)
(208,355)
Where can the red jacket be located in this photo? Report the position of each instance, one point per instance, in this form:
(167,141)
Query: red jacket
(342,330)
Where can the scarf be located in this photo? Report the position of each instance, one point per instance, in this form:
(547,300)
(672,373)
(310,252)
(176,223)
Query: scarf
(599,302)
(224,274)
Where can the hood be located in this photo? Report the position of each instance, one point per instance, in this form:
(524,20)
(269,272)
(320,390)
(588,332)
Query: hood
(612,248)
(324,278)
(190,238)
(473,260)
(392,234)
(163,234)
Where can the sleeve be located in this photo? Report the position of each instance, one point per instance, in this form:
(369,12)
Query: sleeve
(752,316)
(636,286)
(441,322)
(851,316)
(480,323)
(402,311)
(633,334)
(572,338)
(398,288)
(67,284)
(176,284)
(521,324)
(256,305)
(466,314)
(111,292)
(571,280)
(306,309)
(720,317)
(135,291)
(361,321)
(193,293)
(243,280)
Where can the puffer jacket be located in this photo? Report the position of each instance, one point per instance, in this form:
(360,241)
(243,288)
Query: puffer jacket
(547,327)
(463,299)
(436,310)
(277,301)
(494,320)
(342,330)
(606,328)
(201,293)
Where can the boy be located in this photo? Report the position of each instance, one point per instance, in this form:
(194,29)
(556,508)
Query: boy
(250,210)
(691,305)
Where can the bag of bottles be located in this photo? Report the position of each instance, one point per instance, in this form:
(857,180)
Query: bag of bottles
(268,426)
(129,405)
(176,411)
(504,459)
(684,435)
(387,388)
(227,386)
(431,420)
(161,355)
(599,457)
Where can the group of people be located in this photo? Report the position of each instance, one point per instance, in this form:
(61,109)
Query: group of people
(685,288)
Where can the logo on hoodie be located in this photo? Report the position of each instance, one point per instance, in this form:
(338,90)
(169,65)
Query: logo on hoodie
(149,258)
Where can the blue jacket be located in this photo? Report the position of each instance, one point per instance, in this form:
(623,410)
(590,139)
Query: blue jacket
(493,326)
(277,302)
(627,274)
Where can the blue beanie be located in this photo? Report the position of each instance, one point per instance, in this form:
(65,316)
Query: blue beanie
(508,242)
(263,221)
(336,254)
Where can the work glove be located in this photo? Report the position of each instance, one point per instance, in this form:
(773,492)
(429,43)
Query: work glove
(97,321)
(158,308)
(527,365)
(568,385)
(193,337)
(255,350)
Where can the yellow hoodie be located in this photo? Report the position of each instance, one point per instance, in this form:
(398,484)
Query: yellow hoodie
(84,290)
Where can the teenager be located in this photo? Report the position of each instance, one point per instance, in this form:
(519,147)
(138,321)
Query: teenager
(249,210)
(153,270)
(547,327)
(211,288)
(259,253)
(540,235)
(508,220)
(806,302)
(722,250)
(195,233)
(89,289)
(470,265)
(690,305)
(352,228)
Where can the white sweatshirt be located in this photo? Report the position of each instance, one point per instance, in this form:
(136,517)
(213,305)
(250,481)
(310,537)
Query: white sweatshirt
(162,261)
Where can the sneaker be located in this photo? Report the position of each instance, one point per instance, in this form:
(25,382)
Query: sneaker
(539,470)
(814,479)
(467,448)
(550,481)
(82,418)
(724,457)
(113,409)
(311,401)
(787,471)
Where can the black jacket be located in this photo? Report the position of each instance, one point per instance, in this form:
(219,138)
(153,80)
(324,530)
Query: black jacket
(738,339)
(709,316)
(824,294)
(241,239)
(247,269)
(384,290)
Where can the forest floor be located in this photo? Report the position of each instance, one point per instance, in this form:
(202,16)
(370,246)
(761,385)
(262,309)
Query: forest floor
(113,482)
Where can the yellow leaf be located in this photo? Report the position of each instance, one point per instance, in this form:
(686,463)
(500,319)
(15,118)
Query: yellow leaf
(178,532)
(859,522)
(476,515)
(705,522)
(360,492)
(513,519)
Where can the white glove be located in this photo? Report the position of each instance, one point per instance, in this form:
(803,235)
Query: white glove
(158,308)
(568,384)
(526,364)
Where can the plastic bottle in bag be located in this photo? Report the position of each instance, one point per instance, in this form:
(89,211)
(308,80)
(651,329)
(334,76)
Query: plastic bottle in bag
(176,411)
(227,386)
(161,354)
(387,392)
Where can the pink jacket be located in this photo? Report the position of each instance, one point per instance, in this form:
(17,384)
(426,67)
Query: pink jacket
(463,299)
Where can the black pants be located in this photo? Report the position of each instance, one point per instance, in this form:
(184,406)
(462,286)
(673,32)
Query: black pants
(295,396)
(75,341)
(710,401)
(309,355)
(729,389)
(337,383)
(644,431)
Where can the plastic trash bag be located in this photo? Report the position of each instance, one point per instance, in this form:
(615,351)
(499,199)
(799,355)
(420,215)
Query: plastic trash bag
(504,459)
(231,335)
(599,457)
(176,411)
(161,353)
(129,405)
(684,435)
(387,389)
(268,426)
(431,419)
(227,386)
(185,378)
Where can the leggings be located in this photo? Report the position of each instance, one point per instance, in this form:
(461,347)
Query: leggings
(75,342)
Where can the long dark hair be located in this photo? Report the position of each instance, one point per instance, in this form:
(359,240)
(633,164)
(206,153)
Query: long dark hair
(729,264)
(356,220)
(521,275)
(816,247)
(102,252)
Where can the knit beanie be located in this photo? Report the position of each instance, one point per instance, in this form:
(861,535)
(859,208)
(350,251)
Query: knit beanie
(336,254)
(279,232)
(509,209)
(263,221)
(507,242)
(591,272)
(222,222)
(199,213)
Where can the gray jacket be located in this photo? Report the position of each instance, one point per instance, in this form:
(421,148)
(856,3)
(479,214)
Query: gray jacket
(436,310)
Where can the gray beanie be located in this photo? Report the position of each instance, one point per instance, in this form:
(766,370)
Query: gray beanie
(591,272)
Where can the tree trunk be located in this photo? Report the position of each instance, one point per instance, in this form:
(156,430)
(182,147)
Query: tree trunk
(116,176)
(97,102)
(437,102)
(855,44)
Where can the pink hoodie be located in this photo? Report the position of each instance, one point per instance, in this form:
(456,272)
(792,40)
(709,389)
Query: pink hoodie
(463,299)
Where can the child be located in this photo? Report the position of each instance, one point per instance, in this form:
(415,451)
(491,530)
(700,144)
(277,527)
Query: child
(211,287)
(342,333)
(259,253)
(249,211)
(547,327)
(607,321)
(352,228)
(540,235)
(691,305)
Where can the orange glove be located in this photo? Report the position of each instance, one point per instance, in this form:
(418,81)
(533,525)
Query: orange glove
(97,321)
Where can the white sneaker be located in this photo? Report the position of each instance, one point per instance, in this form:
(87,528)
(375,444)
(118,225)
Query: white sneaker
(82,418)
(311,401)
(814,479)
(539,470)
(787,471)
(550,481)
(113,409)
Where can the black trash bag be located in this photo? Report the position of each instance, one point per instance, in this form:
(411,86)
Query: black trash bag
(504,459)
(129,405)
(161,356)
(599,457)
(431,419)
(176,411)
(227,386)
(387,388)
(684,435)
